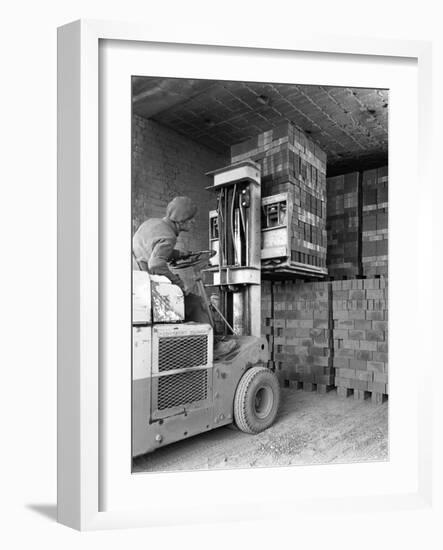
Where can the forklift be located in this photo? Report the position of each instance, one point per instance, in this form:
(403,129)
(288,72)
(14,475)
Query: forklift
(179,387)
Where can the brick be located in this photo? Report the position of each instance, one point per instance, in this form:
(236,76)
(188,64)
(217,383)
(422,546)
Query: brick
(341,334)
(367,376)
(380,325)
(368,346)
(362,324)
(372,284)
(346,373)
(341,362)
(374,335)
(337,285)
(351,344)
(374,294)
(321,340)
(357,295)
(375,315)
(376,366)
(356,335)
(359,365)
(341,315)
(364,355)
(321,315)
(349,353)
(347,285)
(320,323)
(318,333)
(343,382)
(347,324)
(357,315)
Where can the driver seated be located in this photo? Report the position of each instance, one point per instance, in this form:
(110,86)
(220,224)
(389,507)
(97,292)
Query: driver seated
(153,247)
(154,242)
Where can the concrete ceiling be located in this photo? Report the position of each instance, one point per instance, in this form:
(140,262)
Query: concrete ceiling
(349,124)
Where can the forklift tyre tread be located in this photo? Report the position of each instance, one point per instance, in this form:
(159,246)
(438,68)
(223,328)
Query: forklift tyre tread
(256,400)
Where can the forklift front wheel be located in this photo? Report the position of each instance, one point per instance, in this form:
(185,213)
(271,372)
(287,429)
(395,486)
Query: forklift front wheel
(256,401)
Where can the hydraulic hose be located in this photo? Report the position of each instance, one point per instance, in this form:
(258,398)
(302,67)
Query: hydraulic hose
(232,224)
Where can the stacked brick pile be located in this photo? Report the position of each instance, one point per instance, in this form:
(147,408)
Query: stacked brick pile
(375,222)
(329,334)
(291,163)
(299,334)
(360,338)
(343,225)
(267,328)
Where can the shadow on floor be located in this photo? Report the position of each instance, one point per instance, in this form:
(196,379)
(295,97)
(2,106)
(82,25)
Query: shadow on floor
(47,510)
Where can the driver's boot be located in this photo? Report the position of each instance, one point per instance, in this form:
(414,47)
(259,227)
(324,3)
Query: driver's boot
(223,347)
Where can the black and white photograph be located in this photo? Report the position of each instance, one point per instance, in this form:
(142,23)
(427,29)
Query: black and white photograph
(222,285)
(259,246)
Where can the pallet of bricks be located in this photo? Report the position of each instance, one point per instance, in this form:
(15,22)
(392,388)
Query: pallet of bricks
(360,338)
(375,222)
(296,323)
(291,163)
(343,226)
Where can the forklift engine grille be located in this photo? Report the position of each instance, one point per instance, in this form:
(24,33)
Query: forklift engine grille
(182,388)
(176,353)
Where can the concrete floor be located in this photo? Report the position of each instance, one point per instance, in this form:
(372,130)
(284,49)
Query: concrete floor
(311,428)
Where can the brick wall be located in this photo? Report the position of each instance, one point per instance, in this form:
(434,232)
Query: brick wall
(164,165)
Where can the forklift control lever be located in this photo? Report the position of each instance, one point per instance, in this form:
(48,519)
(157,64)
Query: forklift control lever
(195,258)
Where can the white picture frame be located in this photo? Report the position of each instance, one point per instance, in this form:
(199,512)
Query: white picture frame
(82,410)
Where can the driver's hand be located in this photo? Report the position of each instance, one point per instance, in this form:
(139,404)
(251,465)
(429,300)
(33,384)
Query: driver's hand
(185,253)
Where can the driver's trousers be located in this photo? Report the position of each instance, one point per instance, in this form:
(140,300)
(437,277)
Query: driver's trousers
(195,309)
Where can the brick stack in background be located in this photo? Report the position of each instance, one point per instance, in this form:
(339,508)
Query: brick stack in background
(292,163)
(375,222)
(342,225)
(299,333)
(360,338)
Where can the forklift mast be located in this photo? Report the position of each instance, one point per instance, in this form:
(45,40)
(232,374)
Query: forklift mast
(235,236)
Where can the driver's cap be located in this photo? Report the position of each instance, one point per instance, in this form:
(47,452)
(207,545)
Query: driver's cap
(181,209)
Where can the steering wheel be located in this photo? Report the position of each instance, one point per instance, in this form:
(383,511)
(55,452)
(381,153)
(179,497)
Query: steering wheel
(200,257)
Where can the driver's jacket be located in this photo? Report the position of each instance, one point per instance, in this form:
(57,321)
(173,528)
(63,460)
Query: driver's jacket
(153,247)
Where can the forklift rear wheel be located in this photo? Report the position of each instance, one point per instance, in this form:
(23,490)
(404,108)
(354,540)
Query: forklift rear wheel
(256,400)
